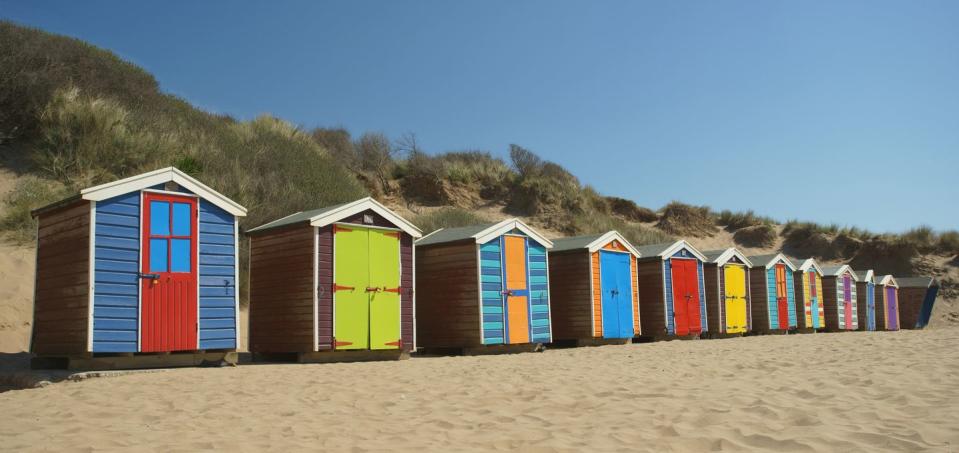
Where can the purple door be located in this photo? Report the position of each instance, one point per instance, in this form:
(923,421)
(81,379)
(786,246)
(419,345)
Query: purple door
(891,311)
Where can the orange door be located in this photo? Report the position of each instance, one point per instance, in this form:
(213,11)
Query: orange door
(517,289)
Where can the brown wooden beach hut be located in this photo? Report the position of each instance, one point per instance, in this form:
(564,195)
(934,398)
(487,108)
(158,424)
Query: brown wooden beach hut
(333,284)
(595,295)
(887,303)
(483,288)
(726,277)
(808,285)
(840,298)
(917,296)
(671,290)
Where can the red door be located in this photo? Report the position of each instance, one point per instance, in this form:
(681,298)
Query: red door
(168,273)
(782,301)
(685,297)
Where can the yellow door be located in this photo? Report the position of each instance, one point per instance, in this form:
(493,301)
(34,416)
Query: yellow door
(735,283)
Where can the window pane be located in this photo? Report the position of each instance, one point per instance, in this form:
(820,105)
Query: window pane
(180,255)
(181,219)
(159,218)
(158,251)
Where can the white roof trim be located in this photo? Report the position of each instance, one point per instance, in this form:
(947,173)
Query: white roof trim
(677,246)
(163,175)
(509,225)
(869,275)
(842,269)
(887,280)
(361,205)
(722,259)
(609,237)
(780,258)
(809,262)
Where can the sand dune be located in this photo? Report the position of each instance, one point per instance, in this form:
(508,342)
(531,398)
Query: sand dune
(890,391)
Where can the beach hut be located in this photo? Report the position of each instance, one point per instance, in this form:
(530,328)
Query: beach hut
(887,303)
(333,284)
(726,277)
(773,290)
(866,299)
(917,296)
(146,264)
(808,284)
(483,288)
(672,292)
(594,293)
(839,298)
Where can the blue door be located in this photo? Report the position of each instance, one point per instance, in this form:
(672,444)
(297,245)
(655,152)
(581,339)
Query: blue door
(870,306)
(615,275)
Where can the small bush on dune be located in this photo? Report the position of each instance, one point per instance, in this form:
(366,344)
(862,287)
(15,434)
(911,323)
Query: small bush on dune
(30,193)
(594,223)
(949,242)
(761,236)
(449,217)
(923,238)
(629,210)
(733,221)
(685,220)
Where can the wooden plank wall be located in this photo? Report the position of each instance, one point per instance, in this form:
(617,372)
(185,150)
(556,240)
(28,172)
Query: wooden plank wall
(910,306)
(651,301)
(597,295)
(827,296)
(281,290)
(760,303)
(62,300)
(802,290)
(713,299)
(862,295)
(571,301)
(447,296)
(881,313)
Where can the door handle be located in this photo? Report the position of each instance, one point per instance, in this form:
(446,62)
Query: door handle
(373,289)
(149,276)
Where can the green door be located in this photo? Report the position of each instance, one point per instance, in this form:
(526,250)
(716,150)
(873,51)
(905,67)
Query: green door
(351,277)
(366,305)
(385,301)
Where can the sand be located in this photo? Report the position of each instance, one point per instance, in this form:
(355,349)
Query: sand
(858,391)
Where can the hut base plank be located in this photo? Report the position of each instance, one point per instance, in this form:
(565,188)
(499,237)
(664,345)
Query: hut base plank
(101,362)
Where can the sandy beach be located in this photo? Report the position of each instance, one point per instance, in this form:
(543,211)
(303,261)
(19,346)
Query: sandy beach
(862,391)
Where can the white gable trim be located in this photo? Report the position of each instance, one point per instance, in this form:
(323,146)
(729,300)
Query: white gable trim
(868,276)
(509,225)
(361,205)
(809,262)
(887,280)
(843,269)
(722,259)
(679,245)
(161,176)
(610,236)
(780,258)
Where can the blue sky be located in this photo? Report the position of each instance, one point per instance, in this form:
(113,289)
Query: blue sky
(838,112)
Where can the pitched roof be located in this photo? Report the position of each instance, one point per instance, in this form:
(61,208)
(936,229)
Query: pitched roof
(483,233)
(592,242)
(150,179)
(887,280)
(865,276)
(807,263)
(770,259)
(835,271)
(721,257)
(917,282)
(666,250)
(331,214)
(163,175)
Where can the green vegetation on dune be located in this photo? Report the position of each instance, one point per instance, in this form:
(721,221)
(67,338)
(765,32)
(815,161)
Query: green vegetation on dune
(81,116)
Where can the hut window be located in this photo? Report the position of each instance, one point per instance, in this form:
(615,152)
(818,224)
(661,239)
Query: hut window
(367,219)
